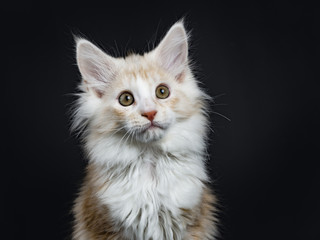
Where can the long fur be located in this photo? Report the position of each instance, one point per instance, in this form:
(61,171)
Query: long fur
(143,183)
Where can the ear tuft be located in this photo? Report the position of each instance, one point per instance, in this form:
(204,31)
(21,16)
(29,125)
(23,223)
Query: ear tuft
(96,67)
(172,52)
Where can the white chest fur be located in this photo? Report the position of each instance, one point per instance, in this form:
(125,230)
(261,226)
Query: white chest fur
(145,198)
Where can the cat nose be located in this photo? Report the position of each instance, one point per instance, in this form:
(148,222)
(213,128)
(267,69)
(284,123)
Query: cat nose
(150,115)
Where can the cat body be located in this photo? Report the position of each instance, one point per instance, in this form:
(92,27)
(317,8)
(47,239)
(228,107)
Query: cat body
(144,124)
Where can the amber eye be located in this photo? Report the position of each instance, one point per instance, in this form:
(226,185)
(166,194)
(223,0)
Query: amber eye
(162,92)
(126,99)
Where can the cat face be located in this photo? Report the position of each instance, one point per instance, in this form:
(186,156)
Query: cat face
(138,97)
(142,102)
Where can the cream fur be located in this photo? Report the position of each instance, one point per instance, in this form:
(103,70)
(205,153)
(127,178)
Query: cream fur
(147,176)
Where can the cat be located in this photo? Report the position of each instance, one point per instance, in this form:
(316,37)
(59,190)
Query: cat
(143,119)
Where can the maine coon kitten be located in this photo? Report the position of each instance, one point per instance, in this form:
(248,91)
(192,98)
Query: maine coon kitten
(144,125)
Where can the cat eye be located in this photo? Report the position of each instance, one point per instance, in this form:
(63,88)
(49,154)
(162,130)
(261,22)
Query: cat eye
(126,99)
(162,92)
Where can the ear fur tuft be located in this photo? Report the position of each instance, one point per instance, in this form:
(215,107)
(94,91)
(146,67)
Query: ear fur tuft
(172,51)
(96,67)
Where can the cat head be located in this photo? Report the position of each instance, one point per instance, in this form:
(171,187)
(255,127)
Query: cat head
(139,97)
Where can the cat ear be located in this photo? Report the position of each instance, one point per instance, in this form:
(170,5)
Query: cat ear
(172,52)
(96,67)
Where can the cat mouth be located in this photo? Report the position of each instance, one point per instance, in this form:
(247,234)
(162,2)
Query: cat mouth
(152,126)
(151,131)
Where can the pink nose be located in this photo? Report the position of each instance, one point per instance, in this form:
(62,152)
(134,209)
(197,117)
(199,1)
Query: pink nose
(150,115)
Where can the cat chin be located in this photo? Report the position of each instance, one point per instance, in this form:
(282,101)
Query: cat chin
(150,135)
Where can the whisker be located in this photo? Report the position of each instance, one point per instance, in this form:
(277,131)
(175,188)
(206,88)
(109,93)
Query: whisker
(120,142)
(116,131)
(211,129)
(221,115)
(217,96)
(130,132)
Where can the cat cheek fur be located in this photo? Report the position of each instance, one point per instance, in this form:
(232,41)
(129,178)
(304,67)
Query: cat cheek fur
(150,185)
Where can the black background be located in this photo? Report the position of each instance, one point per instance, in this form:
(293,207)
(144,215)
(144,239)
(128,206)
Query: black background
(258,59)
